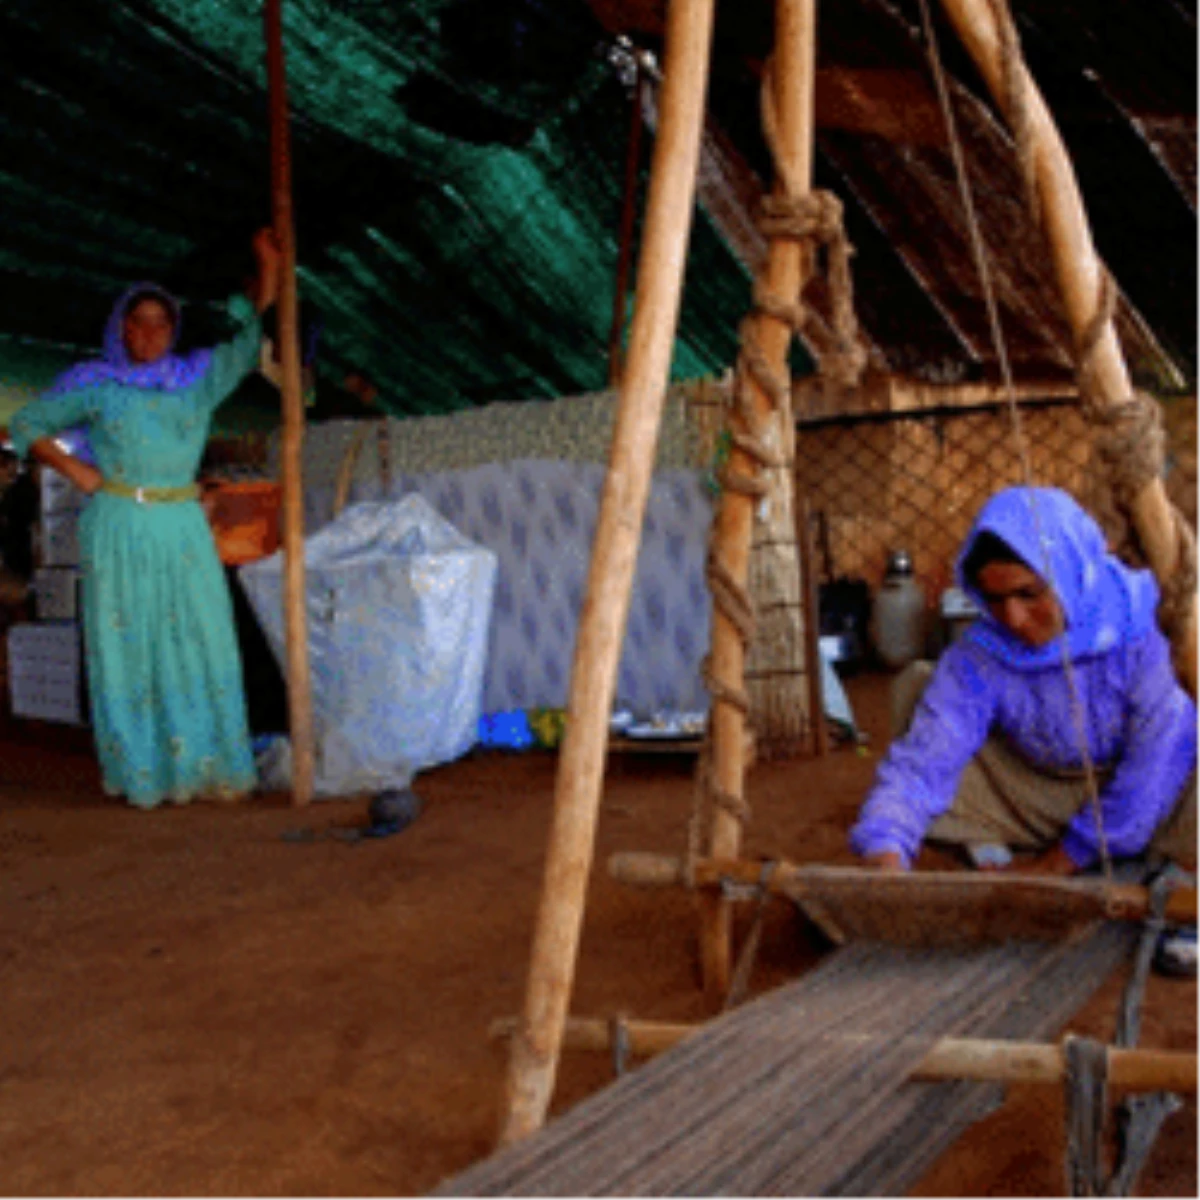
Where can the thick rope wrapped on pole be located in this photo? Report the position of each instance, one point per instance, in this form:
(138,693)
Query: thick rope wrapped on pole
(815,221)
(1129,443)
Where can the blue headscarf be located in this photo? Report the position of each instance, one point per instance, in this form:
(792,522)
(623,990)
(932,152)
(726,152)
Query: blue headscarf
(171,373)
(1105,602)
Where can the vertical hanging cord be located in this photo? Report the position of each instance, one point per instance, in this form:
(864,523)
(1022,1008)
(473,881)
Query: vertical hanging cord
(981,265)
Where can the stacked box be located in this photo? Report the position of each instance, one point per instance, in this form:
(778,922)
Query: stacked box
(56,593)
(61,505)
(60,539)
(59,494)
(45,672)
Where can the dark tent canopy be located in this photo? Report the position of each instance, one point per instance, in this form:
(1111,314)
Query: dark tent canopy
(459,173)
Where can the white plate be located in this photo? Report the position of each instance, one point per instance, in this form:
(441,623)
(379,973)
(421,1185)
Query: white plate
(661,733)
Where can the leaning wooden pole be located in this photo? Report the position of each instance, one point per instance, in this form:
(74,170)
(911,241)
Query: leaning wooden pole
(1079,272)
(287,316)
(793,76)
(633,158)
(535,1051)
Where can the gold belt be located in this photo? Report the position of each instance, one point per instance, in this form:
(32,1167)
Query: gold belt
(151,495)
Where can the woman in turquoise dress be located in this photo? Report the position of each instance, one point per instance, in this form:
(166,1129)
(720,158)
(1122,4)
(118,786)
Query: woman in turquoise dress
(164,677)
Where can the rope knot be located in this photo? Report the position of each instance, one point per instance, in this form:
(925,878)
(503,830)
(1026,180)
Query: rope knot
(814,217)
(1129,441)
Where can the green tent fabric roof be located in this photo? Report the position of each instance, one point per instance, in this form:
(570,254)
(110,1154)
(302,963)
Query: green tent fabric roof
(459,167)
(456,210)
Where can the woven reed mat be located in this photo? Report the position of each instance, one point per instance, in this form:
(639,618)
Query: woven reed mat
(804,1091)
(943,908)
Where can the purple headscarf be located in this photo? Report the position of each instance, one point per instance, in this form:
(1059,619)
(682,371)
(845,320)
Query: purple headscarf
(1105,602)
(171,373)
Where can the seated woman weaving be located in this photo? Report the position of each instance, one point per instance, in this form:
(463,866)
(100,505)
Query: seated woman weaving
(989,754)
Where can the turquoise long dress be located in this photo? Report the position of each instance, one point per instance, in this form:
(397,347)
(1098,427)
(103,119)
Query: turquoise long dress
(164,676)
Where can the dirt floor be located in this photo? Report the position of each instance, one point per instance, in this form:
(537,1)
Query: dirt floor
(198,1001)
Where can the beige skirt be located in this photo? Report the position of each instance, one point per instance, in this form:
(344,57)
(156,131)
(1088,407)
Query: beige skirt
(1003,798)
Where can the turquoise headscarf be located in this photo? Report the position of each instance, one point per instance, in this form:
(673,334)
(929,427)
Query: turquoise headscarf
(1105,602)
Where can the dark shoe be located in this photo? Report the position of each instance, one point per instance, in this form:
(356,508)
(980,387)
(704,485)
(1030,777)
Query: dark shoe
(1175,954)
(392,811)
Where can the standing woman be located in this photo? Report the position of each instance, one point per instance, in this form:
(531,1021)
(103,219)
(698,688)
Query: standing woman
(168,709)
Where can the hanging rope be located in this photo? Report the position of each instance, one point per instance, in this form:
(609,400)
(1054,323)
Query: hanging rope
(1013,76)
(814,220)
(1129,443)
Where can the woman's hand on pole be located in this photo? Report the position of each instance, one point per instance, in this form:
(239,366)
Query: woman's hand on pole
(269,255)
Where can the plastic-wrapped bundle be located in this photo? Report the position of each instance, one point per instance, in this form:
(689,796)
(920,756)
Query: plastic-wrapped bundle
(398,605)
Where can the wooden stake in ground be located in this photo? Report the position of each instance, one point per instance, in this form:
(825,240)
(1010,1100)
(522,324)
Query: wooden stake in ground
(535,1051)
(287,320)
(1079,273)
(794,59)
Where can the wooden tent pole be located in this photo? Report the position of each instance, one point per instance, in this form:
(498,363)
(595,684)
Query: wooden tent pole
(670,203)
(793,81)
(292,441)
(1079,273)
(1130,1069)
(633,156)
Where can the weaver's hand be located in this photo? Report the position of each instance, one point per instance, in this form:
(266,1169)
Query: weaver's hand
(267,249)
(1054,861)
(885,860)
(268,253)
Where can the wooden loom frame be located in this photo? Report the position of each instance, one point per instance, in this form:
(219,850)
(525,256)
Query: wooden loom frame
(538,1037)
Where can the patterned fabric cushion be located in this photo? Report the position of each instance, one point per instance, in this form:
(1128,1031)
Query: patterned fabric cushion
(539,518)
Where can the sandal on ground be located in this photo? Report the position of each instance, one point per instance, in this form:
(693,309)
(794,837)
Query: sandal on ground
(1179,952)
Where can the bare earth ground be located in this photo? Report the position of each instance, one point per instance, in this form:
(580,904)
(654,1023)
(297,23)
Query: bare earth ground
(195,1005)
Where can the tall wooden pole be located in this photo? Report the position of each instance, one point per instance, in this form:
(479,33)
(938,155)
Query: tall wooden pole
(287,313)
(1079,273)
(633,155)
(533,1064)
(793,79)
